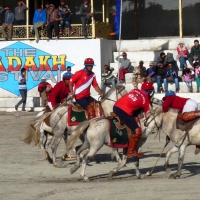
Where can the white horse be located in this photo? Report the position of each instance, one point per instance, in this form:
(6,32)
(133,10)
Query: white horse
(59,127)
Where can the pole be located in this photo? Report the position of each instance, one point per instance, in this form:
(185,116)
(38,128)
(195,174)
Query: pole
(27,19)
(180,19)
(120,35)
(93,22)
(107,10)
(136,18)
(103,10)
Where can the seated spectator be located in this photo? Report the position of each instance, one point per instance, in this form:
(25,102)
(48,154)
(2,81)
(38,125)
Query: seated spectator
(168,59)
(161,75)
(139,74)
(8,24)
(39,21)
(124,67)
(44,88)
(62,5)
(108,79)
(182,55)
(20,16)
(194,53)
(86,16)
(66,20)
(171,77)
(53,19)
(197,75)
(151,74)
(187,77)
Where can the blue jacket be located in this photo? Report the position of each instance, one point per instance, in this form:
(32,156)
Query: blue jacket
(66,17)
(40,16)
(9,17)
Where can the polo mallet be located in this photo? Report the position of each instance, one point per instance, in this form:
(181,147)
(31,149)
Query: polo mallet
(150,173)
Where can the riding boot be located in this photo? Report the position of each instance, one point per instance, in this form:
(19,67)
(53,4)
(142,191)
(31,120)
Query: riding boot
(188,116)
(133,140)
(90,112)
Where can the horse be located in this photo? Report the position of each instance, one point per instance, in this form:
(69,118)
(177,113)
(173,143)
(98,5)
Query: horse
(59,127)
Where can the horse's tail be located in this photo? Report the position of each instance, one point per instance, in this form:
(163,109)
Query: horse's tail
(79,130)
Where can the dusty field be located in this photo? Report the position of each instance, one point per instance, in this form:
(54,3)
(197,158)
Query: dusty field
(26,175)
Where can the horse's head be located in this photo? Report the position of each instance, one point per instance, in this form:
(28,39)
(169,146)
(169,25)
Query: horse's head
(152,122)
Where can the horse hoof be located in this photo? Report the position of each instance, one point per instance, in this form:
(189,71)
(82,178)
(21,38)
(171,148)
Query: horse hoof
(58,165)
(110,175)
(140,176)
(73,169)
(172,176)
(168,170)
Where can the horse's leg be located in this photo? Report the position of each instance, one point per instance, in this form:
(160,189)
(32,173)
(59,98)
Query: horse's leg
(180,162)
(49,139)
(121,164)
(137,170)
(115,154)
(79,149)
(171,151)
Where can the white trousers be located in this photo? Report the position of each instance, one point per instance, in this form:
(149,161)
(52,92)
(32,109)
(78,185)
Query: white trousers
(190,105)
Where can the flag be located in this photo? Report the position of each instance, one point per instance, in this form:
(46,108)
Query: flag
(117,17)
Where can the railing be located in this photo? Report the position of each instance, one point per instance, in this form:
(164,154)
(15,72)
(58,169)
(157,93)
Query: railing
(97,30)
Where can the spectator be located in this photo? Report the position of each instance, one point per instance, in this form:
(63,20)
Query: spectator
(197,75)
(86,16)
(66,20)
(187,77)
(139,74)
(22,90)
(124,67)
(168,58)
(20,13)
(194,53)
(8,24)
(161,74)
(108,79)
(182,55)
(171,77)
(69,69)
(39,21)
(44,88)
(63,5)
(151,74)
(53,18)
(47,8)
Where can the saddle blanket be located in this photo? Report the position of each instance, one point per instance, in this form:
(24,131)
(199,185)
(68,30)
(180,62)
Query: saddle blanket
(118,135)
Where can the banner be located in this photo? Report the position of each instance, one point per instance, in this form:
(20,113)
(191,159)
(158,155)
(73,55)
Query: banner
(117,17)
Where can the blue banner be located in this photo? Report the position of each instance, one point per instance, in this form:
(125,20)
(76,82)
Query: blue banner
(117,17)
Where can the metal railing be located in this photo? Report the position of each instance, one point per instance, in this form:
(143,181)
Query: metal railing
(97,30)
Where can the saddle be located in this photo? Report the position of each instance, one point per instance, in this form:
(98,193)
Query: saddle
(119,124)
(184,125)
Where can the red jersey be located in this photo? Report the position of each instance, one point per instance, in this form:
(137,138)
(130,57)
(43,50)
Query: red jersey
(43,86)
(134,100)
(82,81)
(59,93)
(174,102)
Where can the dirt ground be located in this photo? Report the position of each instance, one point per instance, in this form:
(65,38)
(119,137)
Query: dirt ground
(26,175)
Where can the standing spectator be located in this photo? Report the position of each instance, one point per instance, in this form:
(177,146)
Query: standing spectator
(20,13)
(39,21)
(44,88)
(66,20)
(63,5)
(53,18)
(151,74)
(86,16)
(161,74)
(8,24)
(197,75)
(194,53)
(124,67)
(47,7)
(187,77)
(107,78)
(182,55)
(171,77)
(139,74)
(22,90)
(69,69)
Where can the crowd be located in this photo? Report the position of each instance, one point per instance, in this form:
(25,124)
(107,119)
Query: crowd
(49,17)
(163,72)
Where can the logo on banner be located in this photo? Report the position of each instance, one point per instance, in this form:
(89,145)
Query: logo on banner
(37,62)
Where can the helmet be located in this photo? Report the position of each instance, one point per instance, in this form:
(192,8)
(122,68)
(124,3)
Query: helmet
(170,93)
(67,75)
(89,62)
(147,86)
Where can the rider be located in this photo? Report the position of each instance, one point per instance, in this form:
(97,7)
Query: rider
(125,107)
(60,91)
(190,109)
(83,79)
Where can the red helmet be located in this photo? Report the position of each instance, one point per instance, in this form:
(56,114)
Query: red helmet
(89,62)
(147,86)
